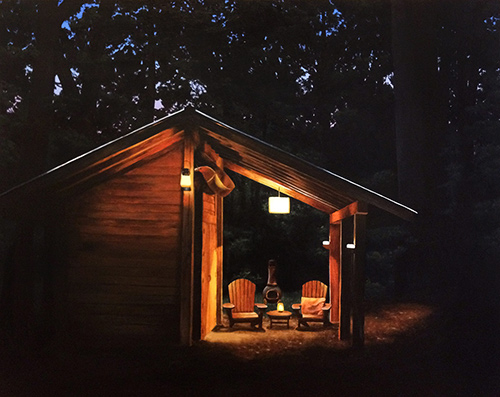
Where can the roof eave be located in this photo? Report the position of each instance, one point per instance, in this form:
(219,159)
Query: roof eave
(321,176)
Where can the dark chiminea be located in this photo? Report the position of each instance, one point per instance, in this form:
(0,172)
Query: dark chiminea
(271,293)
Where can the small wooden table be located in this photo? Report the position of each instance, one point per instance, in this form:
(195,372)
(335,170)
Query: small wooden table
(279,317)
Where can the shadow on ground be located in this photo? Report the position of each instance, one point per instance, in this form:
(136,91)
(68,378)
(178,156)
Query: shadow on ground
(407,352)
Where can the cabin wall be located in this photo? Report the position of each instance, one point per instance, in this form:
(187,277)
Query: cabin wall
(124,252)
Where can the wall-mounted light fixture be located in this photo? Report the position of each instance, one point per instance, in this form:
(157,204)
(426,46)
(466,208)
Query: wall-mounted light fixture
(350,246)
(185,179)
(326,244)
(279,205)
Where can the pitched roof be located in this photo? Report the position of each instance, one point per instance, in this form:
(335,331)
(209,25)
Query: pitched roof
(241,152)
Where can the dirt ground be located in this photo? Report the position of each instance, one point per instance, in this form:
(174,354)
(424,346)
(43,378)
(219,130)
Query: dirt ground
(405,354)
(382,327)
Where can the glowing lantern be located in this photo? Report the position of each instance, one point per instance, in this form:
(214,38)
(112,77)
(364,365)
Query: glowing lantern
(185,179)
(281,306)
(279,205)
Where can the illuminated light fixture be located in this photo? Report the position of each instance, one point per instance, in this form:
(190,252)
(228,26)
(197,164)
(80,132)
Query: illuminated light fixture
(279,205)
(326,244)
(185,179)
(350,246)
(281,306)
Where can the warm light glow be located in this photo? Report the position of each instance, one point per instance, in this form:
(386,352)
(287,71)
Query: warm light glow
(281,306)
(350,246)
(279,205)
(185,179)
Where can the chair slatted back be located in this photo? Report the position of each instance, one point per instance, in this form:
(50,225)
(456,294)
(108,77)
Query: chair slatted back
(242,295)
(314,289)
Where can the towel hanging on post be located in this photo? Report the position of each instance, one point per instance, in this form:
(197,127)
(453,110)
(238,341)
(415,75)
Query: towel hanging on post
(217,180)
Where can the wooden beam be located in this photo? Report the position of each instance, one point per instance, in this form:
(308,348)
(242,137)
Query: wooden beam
(119,161)
(346,281)
(209,154)
(220,243)
(187,249)
(355,208)
(273,183)
(335,261)
(358,313)
(245,148)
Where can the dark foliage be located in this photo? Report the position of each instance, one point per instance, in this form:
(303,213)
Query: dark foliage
(314,78)
(252,236)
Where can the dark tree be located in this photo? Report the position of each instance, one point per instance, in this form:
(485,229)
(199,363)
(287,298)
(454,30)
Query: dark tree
(37,104)
(420,122)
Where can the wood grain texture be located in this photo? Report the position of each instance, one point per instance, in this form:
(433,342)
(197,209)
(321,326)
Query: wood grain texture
(335,264)
(209,262)
(346,280)
(187,248)
(314,289)
(220,259)
(123,259)
(242,295)
(348,211)
(359,279)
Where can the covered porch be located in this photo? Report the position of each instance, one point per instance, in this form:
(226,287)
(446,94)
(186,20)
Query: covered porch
(212,143)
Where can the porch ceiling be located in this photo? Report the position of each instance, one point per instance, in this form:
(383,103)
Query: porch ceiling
(258,166)
(297,178)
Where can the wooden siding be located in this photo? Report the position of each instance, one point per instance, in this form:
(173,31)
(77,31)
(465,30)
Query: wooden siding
(269,165)
(124,239)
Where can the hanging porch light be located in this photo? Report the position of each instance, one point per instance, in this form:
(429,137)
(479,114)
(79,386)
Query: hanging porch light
(279,205)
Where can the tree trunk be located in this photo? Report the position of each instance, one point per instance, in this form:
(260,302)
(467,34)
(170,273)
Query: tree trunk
(93,73)
(420,119)
(39,103)
(35,139)
(417,97)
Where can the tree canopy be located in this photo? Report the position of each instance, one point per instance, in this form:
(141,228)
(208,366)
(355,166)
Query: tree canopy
(323,80)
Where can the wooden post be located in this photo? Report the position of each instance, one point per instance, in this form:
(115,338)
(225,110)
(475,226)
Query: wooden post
(187,249)
(219,202)
(358,314)
(335,261)
(199,254)
(345,281)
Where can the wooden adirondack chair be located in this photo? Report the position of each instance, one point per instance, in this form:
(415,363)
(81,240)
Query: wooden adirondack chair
(313,307)
(241,308)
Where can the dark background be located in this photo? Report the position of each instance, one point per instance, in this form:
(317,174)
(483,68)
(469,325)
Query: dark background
(402,97)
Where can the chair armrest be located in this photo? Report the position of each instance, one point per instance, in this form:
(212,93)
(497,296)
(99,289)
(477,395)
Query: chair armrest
(296,309)
(260,308)
(326,307)
(228,306)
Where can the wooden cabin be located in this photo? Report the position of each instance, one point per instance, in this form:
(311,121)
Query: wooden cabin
(109,245)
